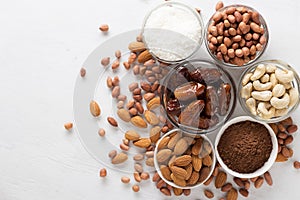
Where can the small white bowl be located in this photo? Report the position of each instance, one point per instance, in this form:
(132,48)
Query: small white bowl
(267,164)
(157,166)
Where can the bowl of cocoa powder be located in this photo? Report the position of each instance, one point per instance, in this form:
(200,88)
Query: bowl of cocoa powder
(246,147)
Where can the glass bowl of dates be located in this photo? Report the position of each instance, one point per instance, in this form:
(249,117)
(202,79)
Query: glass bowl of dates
(198,96)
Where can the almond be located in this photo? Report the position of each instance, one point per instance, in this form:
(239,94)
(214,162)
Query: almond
(207,161)
(189,170)
(193,179)
(165,171)
(144,56)
(153,103)
(232,194)
(163,143)
(196,149)
(142,142)
(226,187)
(281,158)
(179,172)
(174,140)
(183,161)
(155,134)
(151,118)
(181,146)
(112,121)
(163,155)
(136,46)
(209,194)
(177,191)
(258,183)
(220,179)
(95,109)
(132,135)
(138,121)
(119,158)
(197,163)
(123,115)
(244,192)
(165,191)
(178,181)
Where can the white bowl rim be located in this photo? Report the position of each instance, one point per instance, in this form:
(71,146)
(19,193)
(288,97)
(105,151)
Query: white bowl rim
(261,170)
(156,165)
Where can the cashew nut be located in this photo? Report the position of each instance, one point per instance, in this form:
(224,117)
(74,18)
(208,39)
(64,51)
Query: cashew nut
(280,112)
(284,76)
(251,104)
(263,111)
(262,95)
(259,72)
(278,90)
(280,103)
(287,85)
(273,79)
(270,68)
(246,78)
(265,78)
(294,97)
(246,91)
(261,86)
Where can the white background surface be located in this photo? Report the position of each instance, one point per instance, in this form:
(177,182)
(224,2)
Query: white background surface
(42,47)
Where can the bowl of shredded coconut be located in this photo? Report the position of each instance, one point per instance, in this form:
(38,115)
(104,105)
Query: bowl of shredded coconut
(173,32)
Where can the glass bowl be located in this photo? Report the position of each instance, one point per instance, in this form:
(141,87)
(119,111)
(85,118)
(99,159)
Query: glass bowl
(280,114)
(198,96)
(224,59)
(160,33)
(184,155)
(267,165)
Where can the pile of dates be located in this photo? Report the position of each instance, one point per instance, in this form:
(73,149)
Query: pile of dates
(197,97)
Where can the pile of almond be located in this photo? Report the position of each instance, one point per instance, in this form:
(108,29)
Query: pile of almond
(184,159)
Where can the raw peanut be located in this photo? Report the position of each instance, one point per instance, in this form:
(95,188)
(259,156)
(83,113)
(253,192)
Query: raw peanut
(217,16)
(137,177)
(231,19)
(136,46)
(238,16)
(165,191)
(187,192)
(244,192)
(112,121)
(253,179)
(161,183)
(136,188)
(122,97)
(258,183)
(125,179)
(115,65)
(142,142)
(146,86)
(95,109)
(139,107)
(297,165)
(155,134)
(119,158)
(285,152)
(149,154)
(137,97)
(82,72)
(112,154)
(145,175)
(120,104)
(109,82)
(232,194)
(151,118)
(115,92)
(282,135)
(209,194)
(144,56)
(292,129)
(138,157)
(130,104)
(155,177)
(219,5)
(105,61)
(68,126)
(220,179)
(125,141)
(101,132)
(255,17)
(103,172)
(255,27)
(104,28)
(124,147)
(133,112)
(216,171)
(133,86)
(137,91)
(268,178)
(136,70)
(166,172)
(183,161)
(239,182)
(131,58)
(223,49)
(126,65)
(247,185)
(138,121)
(287,122)
(118,54)
(177,191)
(281,127)
(124,114)
(226,187)
(163,155)
(149,96)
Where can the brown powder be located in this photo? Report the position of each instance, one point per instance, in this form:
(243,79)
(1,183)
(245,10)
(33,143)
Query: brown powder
(245,146)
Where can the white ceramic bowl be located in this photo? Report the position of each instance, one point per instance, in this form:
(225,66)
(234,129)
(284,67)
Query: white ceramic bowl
(261,170)
(157,166)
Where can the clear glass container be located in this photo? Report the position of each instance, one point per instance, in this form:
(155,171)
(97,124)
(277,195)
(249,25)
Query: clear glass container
(258,54)
(294,84)
(160,33)
(184,107)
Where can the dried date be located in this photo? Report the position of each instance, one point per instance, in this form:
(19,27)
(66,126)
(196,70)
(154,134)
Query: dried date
(211,105)
(224,98)
(189,91)
(191,113)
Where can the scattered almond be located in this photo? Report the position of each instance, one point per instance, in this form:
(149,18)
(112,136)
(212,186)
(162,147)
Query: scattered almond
(151,118)
(138,121)
(125,179)
(112,121)
(119,158)
(209,194)
(82,72)
(136,46)
(142,142)
(132,135)
(95,109)
(105,61)
(144,56)
(124,115)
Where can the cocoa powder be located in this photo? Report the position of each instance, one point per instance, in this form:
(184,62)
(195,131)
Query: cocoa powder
(245,146)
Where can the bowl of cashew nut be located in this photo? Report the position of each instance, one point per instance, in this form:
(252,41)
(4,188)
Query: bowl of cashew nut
(269,90)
